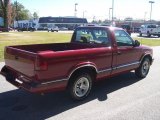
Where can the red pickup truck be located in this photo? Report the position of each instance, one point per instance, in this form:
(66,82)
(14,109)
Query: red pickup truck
(93,53)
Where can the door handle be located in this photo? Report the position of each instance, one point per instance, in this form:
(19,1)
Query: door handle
(119,53)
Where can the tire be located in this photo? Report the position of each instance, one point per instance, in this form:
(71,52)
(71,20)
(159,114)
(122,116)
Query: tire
(143,69)
(148,34)
(140,34)
(80,86)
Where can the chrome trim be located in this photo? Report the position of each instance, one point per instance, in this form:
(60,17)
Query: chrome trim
(126,65)
(105,70)
(118,67)
(44,83)
(88,65)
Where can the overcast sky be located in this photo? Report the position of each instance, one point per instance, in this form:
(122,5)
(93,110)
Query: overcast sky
(98,8)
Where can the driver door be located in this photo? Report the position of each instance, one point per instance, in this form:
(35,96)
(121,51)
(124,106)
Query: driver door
(126,56)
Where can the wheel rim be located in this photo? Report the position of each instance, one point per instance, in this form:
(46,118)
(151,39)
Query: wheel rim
(82,87)
(145,68)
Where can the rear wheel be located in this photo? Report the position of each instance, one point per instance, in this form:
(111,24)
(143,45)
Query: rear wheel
(143,69)
(148,34)
(80,86)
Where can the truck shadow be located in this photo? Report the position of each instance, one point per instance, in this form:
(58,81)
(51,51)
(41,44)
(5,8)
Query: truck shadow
(18,104)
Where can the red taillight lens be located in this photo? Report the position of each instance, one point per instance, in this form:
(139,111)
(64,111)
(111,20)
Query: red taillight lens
(41,65)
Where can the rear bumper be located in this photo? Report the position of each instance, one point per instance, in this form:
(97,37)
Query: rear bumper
(2,73)
(37,87)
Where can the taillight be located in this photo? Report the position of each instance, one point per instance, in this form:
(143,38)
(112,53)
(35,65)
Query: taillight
(41,65)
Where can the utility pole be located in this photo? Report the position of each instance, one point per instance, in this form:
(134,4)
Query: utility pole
(145,13)
(110,14)
(151,2)
(75,10)
(112,11)
(84,13)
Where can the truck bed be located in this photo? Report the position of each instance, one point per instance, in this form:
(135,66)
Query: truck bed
(23,58)
(55,47)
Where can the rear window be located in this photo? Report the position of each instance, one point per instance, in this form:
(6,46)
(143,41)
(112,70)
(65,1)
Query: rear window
(94,36)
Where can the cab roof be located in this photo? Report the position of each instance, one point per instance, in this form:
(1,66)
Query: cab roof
(108,27)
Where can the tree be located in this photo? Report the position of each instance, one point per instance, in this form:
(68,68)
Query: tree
(5,8)
(1,12)
(19,12)
(35,15)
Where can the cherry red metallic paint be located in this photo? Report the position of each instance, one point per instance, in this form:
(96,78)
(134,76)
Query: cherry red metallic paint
(48,67)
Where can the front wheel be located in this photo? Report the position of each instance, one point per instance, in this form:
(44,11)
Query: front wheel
(143,69)
(80,86)
(140,34)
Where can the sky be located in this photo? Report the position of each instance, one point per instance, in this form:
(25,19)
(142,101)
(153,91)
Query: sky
(97,9)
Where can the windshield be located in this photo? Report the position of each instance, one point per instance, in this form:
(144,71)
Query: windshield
(90,35)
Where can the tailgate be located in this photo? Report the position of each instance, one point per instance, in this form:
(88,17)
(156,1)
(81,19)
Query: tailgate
(20,61)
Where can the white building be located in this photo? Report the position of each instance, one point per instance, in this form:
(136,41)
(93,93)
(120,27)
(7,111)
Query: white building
(45,22)
(26,23)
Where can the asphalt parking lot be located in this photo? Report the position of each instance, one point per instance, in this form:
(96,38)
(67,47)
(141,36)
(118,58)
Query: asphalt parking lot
(124,97)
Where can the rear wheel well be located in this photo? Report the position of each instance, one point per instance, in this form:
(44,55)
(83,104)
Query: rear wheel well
(91,71)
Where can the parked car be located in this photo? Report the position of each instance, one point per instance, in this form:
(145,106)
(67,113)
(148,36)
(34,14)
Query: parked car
(150,29)
(136,29)
(53,28)
(63,28)
(42,28)
(3,29)
(31,29)
(94,53)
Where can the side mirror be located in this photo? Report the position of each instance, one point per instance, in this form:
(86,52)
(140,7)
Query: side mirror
(136,43)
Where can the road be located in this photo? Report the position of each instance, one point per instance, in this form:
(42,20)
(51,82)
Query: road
(124,97)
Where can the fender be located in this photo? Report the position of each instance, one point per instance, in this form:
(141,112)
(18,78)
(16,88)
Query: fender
(144,55)
(82,65)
